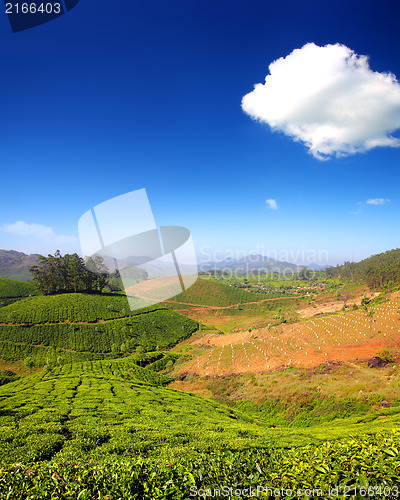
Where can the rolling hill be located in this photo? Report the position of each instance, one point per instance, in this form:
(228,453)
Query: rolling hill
(208,293)
(68,327)
(376,271)
(104,420)
(10,289)
(15,265)
(248,264)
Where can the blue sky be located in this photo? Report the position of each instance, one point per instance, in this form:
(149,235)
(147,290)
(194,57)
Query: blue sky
(118,96)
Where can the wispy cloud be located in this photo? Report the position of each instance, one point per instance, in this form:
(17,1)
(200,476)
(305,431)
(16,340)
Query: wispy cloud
(358,211)
(329,99)
(272,204)
(377,201)
(371,201)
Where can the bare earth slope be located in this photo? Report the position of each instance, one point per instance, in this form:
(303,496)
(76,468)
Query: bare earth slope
(347,336)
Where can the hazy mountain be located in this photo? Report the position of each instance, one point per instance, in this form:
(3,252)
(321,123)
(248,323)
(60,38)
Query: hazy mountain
(250,263)
(315,267)
(16,265)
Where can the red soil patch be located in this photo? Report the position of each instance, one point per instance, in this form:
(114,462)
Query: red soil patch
(330,306)
(345,337)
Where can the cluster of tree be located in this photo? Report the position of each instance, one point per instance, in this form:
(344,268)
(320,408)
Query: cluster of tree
(69,273)
(114,282)
(376,271)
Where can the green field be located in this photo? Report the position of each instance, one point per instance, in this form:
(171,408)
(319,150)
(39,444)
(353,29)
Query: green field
(145,441)
(208,293)
(11,290)
(78,327)
(100,416)
(14,288)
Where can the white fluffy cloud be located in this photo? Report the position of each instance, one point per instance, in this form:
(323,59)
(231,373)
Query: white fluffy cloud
(272,204)
(377,201)
(35,238)
(21,228)
(329,99)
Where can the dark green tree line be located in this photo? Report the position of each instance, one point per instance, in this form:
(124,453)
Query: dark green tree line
(376,271)
(69,273)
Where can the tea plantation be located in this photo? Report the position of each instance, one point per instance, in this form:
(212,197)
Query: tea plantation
(95,419)
(205,292)
(70,327)
(109,429)
(14,288)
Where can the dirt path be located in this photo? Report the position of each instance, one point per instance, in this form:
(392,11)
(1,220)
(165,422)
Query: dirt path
(66,322)
(232,305)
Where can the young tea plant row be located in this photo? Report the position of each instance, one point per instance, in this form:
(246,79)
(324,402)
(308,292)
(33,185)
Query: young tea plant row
(292,344)
(356,327)
(252,355)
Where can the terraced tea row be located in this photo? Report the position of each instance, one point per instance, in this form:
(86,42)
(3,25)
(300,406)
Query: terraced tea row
(73,308)
(162,327)
(107,408)
(117,331)
(14,288)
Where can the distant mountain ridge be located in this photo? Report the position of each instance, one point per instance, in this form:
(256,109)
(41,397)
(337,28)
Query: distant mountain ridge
(16,265)
(249,263)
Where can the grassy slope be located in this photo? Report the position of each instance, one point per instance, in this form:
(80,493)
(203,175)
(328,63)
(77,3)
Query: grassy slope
(158,442)
(14,288)
(228,308)
(77,327)
(102,409)
(206,292)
